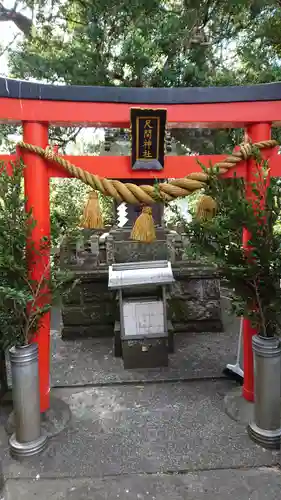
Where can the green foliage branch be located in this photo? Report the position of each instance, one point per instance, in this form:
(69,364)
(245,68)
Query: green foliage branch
(253,272)
(23,300)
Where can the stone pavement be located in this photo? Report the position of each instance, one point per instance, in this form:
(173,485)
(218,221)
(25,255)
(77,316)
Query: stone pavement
(91,361)
(248,484)
(145,435)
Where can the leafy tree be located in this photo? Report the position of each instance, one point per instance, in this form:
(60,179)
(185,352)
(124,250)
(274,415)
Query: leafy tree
(145,43)
(66,205)
(135,43)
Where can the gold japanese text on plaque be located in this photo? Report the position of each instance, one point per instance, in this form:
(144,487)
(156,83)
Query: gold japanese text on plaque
(148,138)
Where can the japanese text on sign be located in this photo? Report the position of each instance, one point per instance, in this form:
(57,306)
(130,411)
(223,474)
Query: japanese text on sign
(147,138)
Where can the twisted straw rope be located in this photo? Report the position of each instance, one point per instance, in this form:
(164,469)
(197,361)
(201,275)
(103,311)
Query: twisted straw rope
(145,194)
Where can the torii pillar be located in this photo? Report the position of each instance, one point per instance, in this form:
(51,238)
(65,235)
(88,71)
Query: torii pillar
(256,133)
(37,192)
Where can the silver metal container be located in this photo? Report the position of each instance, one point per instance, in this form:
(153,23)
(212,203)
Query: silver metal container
(27,439)
(265,429)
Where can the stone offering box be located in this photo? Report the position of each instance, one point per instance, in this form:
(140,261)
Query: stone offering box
(141,335)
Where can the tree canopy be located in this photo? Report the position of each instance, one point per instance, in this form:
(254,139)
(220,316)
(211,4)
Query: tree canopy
(149,43)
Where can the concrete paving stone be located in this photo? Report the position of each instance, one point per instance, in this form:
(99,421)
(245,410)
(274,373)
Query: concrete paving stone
(252,484)
(237,408)
(143,429)
(91,361)
(53,421)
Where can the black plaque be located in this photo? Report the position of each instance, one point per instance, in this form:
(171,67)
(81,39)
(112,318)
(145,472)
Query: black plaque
(148,138)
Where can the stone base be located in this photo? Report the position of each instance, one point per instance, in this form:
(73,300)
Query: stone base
(237,408)
(89,309)
(203,326)
(267,439)
(22,450)
(193,304)
(53,421)
(91,331)
(97,331)
(56,419)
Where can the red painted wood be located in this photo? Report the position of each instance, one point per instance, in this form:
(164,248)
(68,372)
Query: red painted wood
(118,115)
(256,133)
(36,182)
(119,167)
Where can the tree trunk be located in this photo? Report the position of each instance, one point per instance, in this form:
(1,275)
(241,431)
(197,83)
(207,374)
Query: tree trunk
(23,23)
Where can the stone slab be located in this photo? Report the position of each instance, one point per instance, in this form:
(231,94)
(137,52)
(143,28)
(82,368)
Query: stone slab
(92,361)
(134,251)
(53,421)
(261,483)
(90,331)
(141,429)
(238,408)
(90,315)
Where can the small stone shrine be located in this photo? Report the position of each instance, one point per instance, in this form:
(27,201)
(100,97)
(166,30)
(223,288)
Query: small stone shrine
(90,309)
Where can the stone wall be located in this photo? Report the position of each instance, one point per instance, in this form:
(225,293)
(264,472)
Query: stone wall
(194,303)
(89,310)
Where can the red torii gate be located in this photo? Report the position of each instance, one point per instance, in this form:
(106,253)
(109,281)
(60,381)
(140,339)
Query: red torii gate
(37,106)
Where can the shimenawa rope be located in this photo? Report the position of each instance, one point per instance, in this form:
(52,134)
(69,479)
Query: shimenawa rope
(145,194)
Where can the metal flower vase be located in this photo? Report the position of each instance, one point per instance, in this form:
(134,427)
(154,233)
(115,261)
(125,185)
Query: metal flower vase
(265,429)
(27,439)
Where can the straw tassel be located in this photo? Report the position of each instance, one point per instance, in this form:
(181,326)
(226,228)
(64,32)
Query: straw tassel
(144,229)
(92,217)
(206,208)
